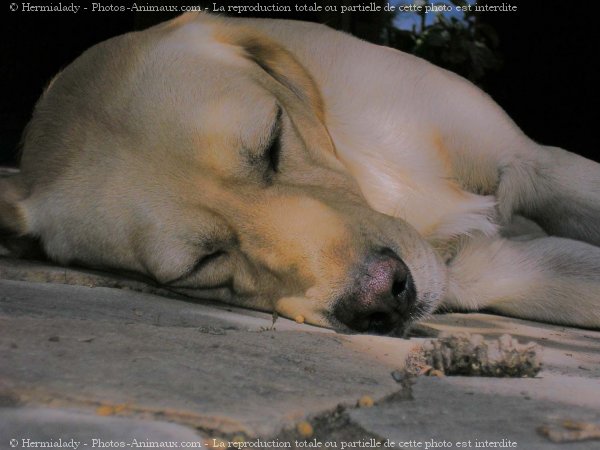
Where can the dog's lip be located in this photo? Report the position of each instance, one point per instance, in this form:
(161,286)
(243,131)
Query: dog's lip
(397,331)
(400,328)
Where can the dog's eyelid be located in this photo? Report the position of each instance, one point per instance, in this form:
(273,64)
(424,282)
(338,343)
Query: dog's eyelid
(273,147)
(275,130)
(263,155)
(204,260)
(199,264)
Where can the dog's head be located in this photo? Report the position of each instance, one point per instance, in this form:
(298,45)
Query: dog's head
(197,153)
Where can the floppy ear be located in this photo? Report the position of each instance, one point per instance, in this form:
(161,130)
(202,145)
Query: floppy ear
(283,67)
(276,61)
(291,83)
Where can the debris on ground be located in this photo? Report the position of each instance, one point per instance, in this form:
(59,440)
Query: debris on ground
(365,401)
(471,355)
(571,431)
(305,429)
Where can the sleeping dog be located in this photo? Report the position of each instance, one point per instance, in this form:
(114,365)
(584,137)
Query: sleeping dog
(287,167)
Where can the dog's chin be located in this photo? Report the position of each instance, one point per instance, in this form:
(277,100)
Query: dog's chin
(380,326)
(399,331)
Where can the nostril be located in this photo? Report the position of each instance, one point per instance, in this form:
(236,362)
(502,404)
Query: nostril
(398,287)
(381,298)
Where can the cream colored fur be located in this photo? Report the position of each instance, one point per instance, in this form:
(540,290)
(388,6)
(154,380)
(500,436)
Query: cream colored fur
(129,164)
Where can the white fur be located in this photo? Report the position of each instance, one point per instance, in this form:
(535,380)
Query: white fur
(387,110)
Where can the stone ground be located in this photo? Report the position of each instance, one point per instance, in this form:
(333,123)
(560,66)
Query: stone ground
(91,358)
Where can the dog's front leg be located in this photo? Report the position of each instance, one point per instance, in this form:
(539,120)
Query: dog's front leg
(557,189)
(548,279)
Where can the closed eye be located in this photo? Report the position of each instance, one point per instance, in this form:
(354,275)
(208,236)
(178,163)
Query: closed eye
(205,261)
(198,266)
(273,152)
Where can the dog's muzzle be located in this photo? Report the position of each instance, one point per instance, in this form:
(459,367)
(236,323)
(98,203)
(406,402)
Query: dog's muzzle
(381,298)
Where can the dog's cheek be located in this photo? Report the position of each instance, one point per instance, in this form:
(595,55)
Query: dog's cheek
(300,235)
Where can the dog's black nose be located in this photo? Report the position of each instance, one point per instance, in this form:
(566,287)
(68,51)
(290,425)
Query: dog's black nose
(381,297)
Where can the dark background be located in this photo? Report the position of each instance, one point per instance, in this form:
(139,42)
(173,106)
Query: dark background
(546,82)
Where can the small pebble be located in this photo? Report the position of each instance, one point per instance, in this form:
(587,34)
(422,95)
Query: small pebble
(305,429)
(105,410)
(397,376)
(365,402)
(120,408)
(436,373)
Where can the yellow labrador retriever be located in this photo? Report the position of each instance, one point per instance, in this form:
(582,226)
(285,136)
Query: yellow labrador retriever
(285,166)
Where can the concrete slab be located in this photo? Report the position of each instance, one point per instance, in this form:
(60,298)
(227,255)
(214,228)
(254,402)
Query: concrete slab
(216,370)
(25,427)
(447,412)
(451,410)
(91,349)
